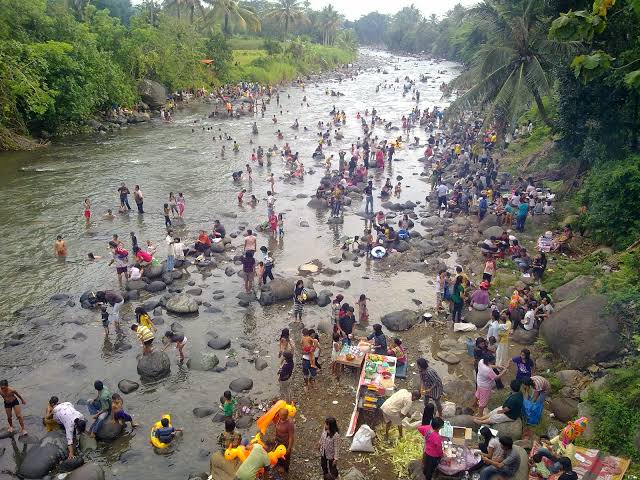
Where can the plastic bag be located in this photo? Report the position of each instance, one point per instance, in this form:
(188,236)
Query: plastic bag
(363,440)
(464,327)
(532,411)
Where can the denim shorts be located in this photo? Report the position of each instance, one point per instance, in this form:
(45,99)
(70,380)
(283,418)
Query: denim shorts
(307,370)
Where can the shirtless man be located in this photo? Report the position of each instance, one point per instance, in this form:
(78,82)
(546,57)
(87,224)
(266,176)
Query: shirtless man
(12,400)
(250,242)
(59,247)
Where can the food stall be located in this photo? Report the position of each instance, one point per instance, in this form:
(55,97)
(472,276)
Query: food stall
(376,383)
(458,457)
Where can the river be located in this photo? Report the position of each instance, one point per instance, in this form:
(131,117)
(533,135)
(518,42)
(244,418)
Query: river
(45,191)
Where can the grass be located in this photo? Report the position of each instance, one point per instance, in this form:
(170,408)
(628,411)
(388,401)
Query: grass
(246,57)
(246,43)
(563,269)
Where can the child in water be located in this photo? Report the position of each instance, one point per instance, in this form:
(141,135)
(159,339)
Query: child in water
(260,272)
(363,311)
(12,400)
(240,195)
(118,412)
(105,318)
(280,225)
(179,339)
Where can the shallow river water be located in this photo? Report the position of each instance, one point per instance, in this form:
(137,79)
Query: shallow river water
(45,190)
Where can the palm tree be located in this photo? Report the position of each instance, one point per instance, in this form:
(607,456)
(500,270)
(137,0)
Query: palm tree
(233,14)
(513,66)
(288,12)
(329,23)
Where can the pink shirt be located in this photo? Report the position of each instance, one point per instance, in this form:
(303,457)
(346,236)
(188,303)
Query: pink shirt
(432,441)
(144,256)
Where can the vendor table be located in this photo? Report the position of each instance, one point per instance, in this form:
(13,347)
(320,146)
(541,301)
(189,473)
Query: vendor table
(379,373)
(358,357)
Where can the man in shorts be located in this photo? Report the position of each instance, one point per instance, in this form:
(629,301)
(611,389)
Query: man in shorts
(12,400)
(396,408)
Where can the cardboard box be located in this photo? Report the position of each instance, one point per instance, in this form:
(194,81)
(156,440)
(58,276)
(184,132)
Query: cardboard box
(461,435)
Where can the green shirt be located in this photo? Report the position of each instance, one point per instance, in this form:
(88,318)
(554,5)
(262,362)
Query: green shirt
(256,460)
(514,404)
(229,408)
(105,399)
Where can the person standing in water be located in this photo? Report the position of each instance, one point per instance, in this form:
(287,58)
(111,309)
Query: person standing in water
(12,400)
(139,198)
(124,197)
(87,211)
(181,204)
(60,248)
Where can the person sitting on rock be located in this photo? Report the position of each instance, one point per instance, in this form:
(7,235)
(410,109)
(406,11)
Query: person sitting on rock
(505,468)
(480,297)
(204,242)
(510,410)
(99,407)
(118,413)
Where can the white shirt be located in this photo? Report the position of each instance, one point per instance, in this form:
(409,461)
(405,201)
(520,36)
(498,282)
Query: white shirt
(529,320)
(493,329)
(135,273)
(271,200)
(168,239)
(398,403)
(66,414)
(442,190)
(547,209)
(178,251)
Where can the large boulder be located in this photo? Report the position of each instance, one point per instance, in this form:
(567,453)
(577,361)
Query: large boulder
(278,290)
(494,231)
(152,93)
(127,386)
(182,304)
(219,343)
(525,337)
(153,271)
(463,421)
(478,317)
(573,289)
(523,470)
(564,409)
(136,285)
(156,286)
(353,474)
(317,203)
(88,471)
(400,321)
(40,459)
(203,361)
(509,429)
(583,332)
(109,430)
(241,384)
(154,366)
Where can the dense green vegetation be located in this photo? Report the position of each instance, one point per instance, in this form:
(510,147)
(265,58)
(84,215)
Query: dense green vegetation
(62,62)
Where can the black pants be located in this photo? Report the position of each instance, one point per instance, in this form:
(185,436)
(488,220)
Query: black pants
(429,465)
(328,466)
(457,312)
(139,204)
(267,273)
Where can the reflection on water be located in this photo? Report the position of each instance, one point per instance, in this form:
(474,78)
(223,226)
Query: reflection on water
(44,191)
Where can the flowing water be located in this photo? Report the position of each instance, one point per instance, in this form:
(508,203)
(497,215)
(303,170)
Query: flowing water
(45,190)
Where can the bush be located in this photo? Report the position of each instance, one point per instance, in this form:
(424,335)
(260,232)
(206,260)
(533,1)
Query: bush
(611,192)
(272,47)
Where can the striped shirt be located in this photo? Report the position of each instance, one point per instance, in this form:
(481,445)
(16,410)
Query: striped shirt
(144,333)
(329,446)
(541,384)
(432,382)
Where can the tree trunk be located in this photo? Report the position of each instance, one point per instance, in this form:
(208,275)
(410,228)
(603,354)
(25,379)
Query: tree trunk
(286,27)
(191,9)
(178,9)
(541,110)
(226,23)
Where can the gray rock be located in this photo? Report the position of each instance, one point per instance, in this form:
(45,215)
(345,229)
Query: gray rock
(79,336)
(323,299)
(136,284)
(218,296)
(194,291)
(478,317)
(152,93)
(343,284)
(494,231)
(154,366)
(109,430)
(261,364)
(463,421)
(219,343)
(156,286)
(447,357)
(353,474)
(400,321)
(203,361)
(583,332)
(525,337)
(509,429)
(78,366)
(229,271)
(182,304)
(176,327)
(231,363)
(153,271)
(41,458)
(241,384)
(564,409)
(202,412)
(245,421)
(573,289)
(88,471)
(127,386)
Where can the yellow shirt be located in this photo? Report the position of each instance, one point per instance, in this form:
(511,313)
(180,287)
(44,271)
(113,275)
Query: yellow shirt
(144,334)
(503,333)
(145,321)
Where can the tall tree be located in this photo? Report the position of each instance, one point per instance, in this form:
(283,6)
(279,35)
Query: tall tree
(329,23)
(288,12)
(231,14)
(513,66)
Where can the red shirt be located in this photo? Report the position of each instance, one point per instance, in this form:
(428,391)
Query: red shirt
(144,256)
(432,441)
(204,238)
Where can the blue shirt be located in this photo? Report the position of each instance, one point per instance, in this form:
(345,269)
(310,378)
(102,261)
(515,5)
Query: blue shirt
(523,209)
(165,434)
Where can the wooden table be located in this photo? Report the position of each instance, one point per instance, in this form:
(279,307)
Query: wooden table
(355,363)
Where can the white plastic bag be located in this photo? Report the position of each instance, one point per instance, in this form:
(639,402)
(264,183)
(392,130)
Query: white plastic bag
(362,440)
(464,327)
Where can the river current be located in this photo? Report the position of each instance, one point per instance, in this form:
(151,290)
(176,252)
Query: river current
(45,190)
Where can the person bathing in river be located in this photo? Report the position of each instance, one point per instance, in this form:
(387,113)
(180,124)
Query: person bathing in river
(179,339)
(12,400)
(60,247)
